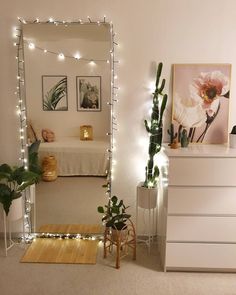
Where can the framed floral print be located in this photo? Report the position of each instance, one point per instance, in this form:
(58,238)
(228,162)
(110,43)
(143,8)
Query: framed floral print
(88,89)
(54,93)
(201,94)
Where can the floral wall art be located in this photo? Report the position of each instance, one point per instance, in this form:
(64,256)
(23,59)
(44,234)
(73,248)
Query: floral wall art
(201,95)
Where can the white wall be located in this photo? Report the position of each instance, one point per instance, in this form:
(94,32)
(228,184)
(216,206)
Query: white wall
(171,31)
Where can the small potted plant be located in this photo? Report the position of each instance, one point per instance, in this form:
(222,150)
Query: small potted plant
(115,216)
(232,138)
(147,191)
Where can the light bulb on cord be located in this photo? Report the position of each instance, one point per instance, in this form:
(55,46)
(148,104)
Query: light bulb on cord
(77,56)
(31,46)
(61,56)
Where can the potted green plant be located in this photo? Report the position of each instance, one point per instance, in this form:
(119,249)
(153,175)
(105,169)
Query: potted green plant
(232,138)
(13,180)
(147,191)
(114,215)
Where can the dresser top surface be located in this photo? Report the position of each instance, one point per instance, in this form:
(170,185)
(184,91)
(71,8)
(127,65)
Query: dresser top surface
(201,150)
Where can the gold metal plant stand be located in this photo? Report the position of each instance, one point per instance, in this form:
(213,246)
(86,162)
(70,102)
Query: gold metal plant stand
(123,240)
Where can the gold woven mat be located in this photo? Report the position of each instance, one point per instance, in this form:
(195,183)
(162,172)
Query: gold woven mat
(61,251)
(72,228)
(46,250)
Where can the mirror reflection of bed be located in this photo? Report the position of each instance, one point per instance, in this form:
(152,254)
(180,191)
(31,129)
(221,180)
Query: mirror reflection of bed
(63,95)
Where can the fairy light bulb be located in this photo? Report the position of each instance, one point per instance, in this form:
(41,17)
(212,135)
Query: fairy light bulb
(31,46)
(77,56)
(61,56)
(45,51)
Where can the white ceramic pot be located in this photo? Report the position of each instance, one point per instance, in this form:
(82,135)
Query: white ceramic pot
(146,197)
(16,209)
(232,141)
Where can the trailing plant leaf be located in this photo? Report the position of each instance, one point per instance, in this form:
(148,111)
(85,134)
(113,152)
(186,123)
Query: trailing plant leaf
(33,159)
(5,197)
(101,209)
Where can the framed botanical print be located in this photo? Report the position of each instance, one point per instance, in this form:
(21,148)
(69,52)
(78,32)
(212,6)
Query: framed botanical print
(54,93)
(201,94)
(88,89)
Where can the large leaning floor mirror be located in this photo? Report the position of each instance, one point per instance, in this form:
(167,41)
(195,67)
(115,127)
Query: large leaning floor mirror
(68,70)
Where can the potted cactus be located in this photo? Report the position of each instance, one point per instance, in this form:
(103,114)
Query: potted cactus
(147,191)
(173,135)
(232,138)
(184,139)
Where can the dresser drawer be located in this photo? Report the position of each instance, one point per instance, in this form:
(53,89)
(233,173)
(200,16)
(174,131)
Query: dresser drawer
(201,256)
(202,171)
(201,229)
(202,200)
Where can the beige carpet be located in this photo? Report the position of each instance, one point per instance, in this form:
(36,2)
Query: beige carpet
(44,250)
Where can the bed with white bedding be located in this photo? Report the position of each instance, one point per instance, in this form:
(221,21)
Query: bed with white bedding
(77,157)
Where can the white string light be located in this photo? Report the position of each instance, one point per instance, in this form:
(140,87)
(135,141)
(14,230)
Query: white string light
(62,56)
(22,112)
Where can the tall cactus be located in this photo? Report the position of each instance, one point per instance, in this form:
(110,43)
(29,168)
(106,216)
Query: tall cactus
(172,133)
(155,130)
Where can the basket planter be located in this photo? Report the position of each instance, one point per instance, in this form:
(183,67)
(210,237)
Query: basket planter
(120,235)
(146,197)
(49,165)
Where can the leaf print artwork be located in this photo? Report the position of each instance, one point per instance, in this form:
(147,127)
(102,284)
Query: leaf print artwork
(55,93)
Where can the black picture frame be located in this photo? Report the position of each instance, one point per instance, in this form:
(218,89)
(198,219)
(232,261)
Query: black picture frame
(54,93)
(88,93)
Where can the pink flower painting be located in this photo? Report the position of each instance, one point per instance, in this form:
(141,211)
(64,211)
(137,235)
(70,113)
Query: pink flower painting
(201,101)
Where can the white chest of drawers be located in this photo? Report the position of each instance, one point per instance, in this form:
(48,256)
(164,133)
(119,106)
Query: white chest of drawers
(200,206)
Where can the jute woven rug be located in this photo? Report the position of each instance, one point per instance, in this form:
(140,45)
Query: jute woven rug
(50,250)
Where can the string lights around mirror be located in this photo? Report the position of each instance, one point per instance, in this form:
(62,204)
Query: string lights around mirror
(28,235)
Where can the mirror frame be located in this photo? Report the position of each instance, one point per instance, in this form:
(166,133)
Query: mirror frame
(28,228)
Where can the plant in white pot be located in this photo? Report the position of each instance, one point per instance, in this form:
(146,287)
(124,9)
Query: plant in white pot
(147,191)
